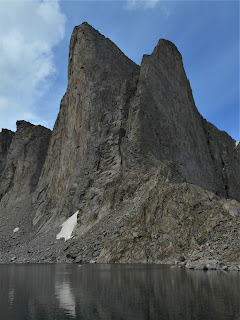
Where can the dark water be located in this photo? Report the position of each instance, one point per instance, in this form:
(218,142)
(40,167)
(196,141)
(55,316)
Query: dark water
(121,292)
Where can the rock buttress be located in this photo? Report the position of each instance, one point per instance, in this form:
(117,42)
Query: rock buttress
(85,150)
(171,127)
(25,153)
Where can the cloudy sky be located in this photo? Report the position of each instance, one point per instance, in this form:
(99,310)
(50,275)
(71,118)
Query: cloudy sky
(35,37)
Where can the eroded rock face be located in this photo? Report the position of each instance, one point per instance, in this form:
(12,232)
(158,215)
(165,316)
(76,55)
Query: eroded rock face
(178,220)
(5,142)
(25,153)
(85,149)
(171,127)
(116,117)
(152,180)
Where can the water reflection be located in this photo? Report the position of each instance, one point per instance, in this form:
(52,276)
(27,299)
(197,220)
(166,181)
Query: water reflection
(66,297)
(109,292)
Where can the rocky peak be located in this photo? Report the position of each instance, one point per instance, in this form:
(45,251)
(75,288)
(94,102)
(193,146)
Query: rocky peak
(92,54)
(25,157)
(131,154)
(166,48)
(172,128)
(91,122)
(22,124)
(116,118)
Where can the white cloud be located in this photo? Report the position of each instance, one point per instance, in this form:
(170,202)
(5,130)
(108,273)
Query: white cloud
(148,4)
(29,30)
(136,4)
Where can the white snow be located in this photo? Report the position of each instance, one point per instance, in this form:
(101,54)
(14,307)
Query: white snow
(16,229)
(237,143)
(68,227)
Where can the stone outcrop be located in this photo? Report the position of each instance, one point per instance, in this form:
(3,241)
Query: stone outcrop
(24,154)
(152,180)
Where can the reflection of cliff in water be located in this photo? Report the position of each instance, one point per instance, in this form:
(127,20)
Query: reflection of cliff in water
(117,292)
(66,298)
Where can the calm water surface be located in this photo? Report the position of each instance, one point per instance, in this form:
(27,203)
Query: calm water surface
(121,292)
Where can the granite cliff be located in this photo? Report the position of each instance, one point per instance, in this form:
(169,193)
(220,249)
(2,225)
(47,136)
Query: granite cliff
(151,179)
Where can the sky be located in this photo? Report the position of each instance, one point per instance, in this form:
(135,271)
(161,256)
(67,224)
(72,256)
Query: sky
(34,44)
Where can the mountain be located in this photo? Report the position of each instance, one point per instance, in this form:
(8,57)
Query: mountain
(151,179)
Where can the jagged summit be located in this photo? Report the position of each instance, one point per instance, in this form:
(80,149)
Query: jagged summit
(89,48)
(23,124)
(5,130)
(86,23)
(167,47)
(85,26)
(149,177)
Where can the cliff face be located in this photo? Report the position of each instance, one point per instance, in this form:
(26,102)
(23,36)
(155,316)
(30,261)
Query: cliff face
(131,152)
(171,127)
(85,149)
(5,142)
(23,155)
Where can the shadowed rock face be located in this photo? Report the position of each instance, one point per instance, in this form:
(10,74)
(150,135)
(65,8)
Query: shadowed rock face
(5,142)
(172,128)
(25,157)
(127,143)
(25,153)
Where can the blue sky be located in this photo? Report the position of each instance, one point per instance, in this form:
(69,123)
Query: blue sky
(35,57)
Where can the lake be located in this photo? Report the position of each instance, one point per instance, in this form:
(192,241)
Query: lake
(118,292)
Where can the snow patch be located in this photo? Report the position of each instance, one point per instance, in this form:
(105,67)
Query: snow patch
(67,227)
(16,229)
(237,143)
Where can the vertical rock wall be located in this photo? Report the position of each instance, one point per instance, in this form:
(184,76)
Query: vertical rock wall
(84,151)
(20,171)
(115,118)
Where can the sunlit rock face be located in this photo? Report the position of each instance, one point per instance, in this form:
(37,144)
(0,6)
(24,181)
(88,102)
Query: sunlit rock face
(129,151)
